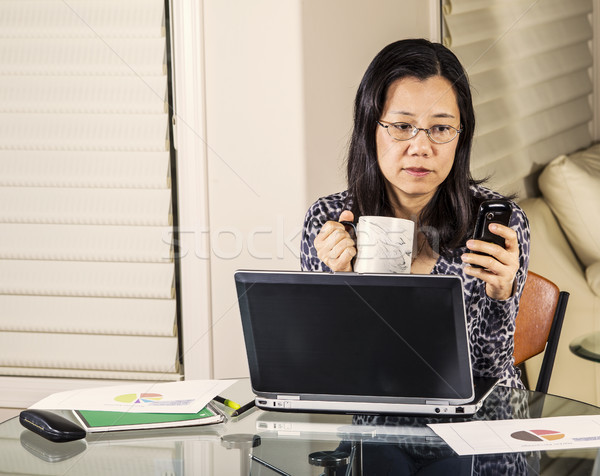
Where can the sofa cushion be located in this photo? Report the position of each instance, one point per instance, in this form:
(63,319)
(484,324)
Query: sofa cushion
(592,274)
(571,187)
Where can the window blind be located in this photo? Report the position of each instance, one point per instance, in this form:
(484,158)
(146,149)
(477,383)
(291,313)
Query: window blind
(86,261)
(529,65)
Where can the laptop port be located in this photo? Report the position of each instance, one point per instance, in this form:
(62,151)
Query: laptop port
(262,402)
(460,409)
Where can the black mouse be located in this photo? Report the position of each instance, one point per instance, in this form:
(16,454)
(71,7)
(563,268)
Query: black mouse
(51,426)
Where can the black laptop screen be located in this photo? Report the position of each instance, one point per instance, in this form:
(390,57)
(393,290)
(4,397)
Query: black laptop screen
(323,334)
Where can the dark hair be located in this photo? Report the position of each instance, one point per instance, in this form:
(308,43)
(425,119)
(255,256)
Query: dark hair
(450,212)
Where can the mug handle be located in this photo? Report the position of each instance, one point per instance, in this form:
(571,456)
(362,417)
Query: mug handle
(349,223)
(353,225)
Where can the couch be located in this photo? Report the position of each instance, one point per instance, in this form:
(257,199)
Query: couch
(565,248)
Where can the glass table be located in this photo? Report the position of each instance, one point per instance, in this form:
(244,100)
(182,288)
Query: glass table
(270,443)
(587,346)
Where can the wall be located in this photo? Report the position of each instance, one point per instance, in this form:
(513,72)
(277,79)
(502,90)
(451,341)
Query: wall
(255,139)
(280,82)
(339,41)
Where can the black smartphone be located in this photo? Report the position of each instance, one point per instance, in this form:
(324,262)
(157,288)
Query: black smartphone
(491,211)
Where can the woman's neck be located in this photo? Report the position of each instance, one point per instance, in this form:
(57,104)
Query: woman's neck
(407,206)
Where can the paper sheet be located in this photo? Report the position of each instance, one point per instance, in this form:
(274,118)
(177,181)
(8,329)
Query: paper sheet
(511,436)
(189,396)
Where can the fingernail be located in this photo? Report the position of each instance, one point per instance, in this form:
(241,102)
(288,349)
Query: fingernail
(465,257)
(493,227)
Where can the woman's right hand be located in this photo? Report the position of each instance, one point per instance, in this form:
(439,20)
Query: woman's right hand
(334,245)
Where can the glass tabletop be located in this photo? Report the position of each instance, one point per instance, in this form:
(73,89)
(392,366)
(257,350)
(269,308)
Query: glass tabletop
(269,443)
(587,346)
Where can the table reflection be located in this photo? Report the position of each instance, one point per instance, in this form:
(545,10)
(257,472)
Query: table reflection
(405,454)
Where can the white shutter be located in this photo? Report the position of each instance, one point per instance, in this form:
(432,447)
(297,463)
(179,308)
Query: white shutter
(86,263)
(528,63)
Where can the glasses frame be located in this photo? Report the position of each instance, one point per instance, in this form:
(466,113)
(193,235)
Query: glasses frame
(416,130)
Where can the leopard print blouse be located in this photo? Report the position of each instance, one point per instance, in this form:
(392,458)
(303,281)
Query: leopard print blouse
(491,323)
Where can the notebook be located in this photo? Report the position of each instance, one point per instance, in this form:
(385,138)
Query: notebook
(358,343)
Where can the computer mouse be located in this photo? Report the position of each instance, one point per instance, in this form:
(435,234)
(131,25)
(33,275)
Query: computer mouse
(51,426)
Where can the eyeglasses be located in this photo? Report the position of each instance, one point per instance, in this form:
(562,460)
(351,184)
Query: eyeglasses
(440,134)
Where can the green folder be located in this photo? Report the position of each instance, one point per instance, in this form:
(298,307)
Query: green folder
(114,421)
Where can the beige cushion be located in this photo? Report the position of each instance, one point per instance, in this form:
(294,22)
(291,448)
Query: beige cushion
(571,187)
(592,274)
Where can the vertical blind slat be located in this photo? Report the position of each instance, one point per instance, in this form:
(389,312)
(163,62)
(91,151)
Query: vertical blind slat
(85,206)
(72,351)
(81,18)
(88,315)
(132,244)
(84,169)
(83,278)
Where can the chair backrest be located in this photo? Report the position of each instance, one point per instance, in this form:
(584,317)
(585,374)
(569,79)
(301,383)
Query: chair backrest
(539,322)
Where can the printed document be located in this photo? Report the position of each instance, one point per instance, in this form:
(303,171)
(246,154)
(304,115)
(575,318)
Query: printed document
(511,436)
(189,396)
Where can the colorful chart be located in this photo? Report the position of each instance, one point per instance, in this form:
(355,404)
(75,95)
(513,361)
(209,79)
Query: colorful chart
(139,398)
(537,435)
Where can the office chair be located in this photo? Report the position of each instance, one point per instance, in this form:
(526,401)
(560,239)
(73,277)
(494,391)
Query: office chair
(539,322)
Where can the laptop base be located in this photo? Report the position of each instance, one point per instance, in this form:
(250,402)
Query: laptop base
(483,387)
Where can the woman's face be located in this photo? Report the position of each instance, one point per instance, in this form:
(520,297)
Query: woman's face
(414,169)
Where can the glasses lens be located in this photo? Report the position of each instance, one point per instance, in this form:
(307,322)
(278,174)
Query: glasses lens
(401,130)
(442,133)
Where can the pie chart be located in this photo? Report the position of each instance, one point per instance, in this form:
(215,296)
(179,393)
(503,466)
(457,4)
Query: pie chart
(537,435)
(139,397)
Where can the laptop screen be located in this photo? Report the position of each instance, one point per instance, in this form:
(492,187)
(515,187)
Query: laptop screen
(396,336)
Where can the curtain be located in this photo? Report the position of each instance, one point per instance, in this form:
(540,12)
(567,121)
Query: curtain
(86,263)
(529,65)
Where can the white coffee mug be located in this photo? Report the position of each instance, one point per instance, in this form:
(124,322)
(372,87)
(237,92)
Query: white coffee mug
(384,244)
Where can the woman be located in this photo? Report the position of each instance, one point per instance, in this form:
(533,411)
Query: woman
(409,157)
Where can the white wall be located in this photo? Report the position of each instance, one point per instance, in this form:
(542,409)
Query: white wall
(340,38)
(280,82)
(255,136)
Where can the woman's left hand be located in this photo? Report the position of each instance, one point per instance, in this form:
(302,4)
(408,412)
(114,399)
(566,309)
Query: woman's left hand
(499,269)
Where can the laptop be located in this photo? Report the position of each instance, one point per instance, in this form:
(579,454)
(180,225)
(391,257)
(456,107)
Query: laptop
(358,343)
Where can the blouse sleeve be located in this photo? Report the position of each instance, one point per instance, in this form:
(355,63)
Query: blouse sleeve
(309,261)
(323,210)
(493,321)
